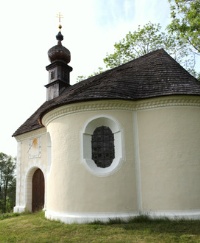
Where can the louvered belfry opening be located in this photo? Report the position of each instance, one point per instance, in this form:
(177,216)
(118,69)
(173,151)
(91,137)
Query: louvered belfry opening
(103,149)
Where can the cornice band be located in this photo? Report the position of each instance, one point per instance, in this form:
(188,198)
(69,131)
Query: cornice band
(120,105)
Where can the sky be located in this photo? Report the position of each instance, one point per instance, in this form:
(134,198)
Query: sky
(28,29)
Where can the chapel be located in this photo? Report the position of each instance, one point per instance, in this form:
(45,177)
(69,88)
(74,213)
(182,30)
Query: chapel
(116,145)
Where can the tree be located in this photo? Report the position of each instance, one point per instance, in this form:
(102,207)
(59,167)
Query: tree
(82,77)
(149,38)
(186,21)
(146,39)
(7,182)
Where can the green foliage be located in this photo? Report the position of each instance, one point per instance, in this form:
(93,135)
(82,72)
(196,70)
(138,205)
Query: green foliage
(136,44)
(143,218)
(8,215)
(149,38)
(7,182)
(146,39)
(186,21)
(82,77)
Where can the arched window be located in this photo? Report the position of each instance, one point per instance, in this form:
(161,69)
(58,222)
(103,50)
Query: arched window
(103,150)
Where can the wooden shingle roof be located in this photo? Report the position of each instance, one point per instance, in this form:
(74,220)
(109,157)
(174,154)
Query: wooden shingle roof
(155,74)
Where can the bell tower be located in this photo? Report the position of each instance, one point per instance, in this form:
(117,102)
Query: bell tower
(59,70)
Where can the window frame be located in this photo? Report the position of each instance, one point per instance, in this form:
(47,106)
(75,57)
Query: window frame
(86,145)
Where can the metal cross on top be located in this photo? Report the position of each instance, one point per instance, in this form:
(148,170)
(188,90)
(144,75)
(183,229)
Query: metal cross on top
(59,16)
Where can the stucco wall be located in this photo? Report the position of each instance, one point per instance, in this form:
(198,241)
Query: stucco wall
(32,154)
(169,139)
(77,189)
(158,168)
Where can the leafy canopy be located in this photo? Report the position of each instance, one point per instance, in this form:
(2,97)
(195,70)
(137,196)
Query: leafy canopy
(7,182)
(149,38)
(146,39)
(186,21)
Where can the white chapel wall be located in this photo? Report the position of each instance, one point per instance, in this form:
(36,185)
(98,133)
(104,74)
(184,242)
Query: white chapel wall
(169,139)
(159,173)
(78,189)
(32,154)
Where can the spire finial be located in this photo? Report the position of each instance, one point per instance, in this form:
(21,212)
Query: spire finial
(59,16)
(59,36)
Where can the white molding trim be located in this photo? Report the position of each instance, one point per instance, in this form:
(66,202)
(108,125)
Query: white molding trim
(19,209)
(150,103)
(18,175)
(179,214)
(86,133)
(70,218)
(28,175)
(137,161)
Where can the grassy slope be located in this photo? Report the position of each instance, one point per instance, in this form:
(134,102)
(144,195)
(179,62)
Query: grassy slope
(35,228)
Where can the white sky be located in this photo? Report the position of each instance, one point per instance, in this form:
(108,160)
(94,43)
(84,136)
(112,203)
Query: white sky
(28,30)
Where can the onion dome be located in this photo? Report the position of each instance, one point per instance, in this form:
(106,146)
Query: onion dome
(59,52)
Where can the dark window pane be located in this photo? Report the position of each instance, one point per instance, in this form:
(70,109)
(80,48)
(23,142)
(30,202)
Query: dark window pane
(103,150)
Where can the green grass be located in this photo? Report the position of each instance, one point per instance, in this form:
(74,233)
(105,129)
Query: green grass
(36,228)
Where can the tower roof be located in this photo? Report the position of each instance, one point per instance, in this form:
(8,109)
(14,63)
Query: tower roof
(155,74)
(59,52)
